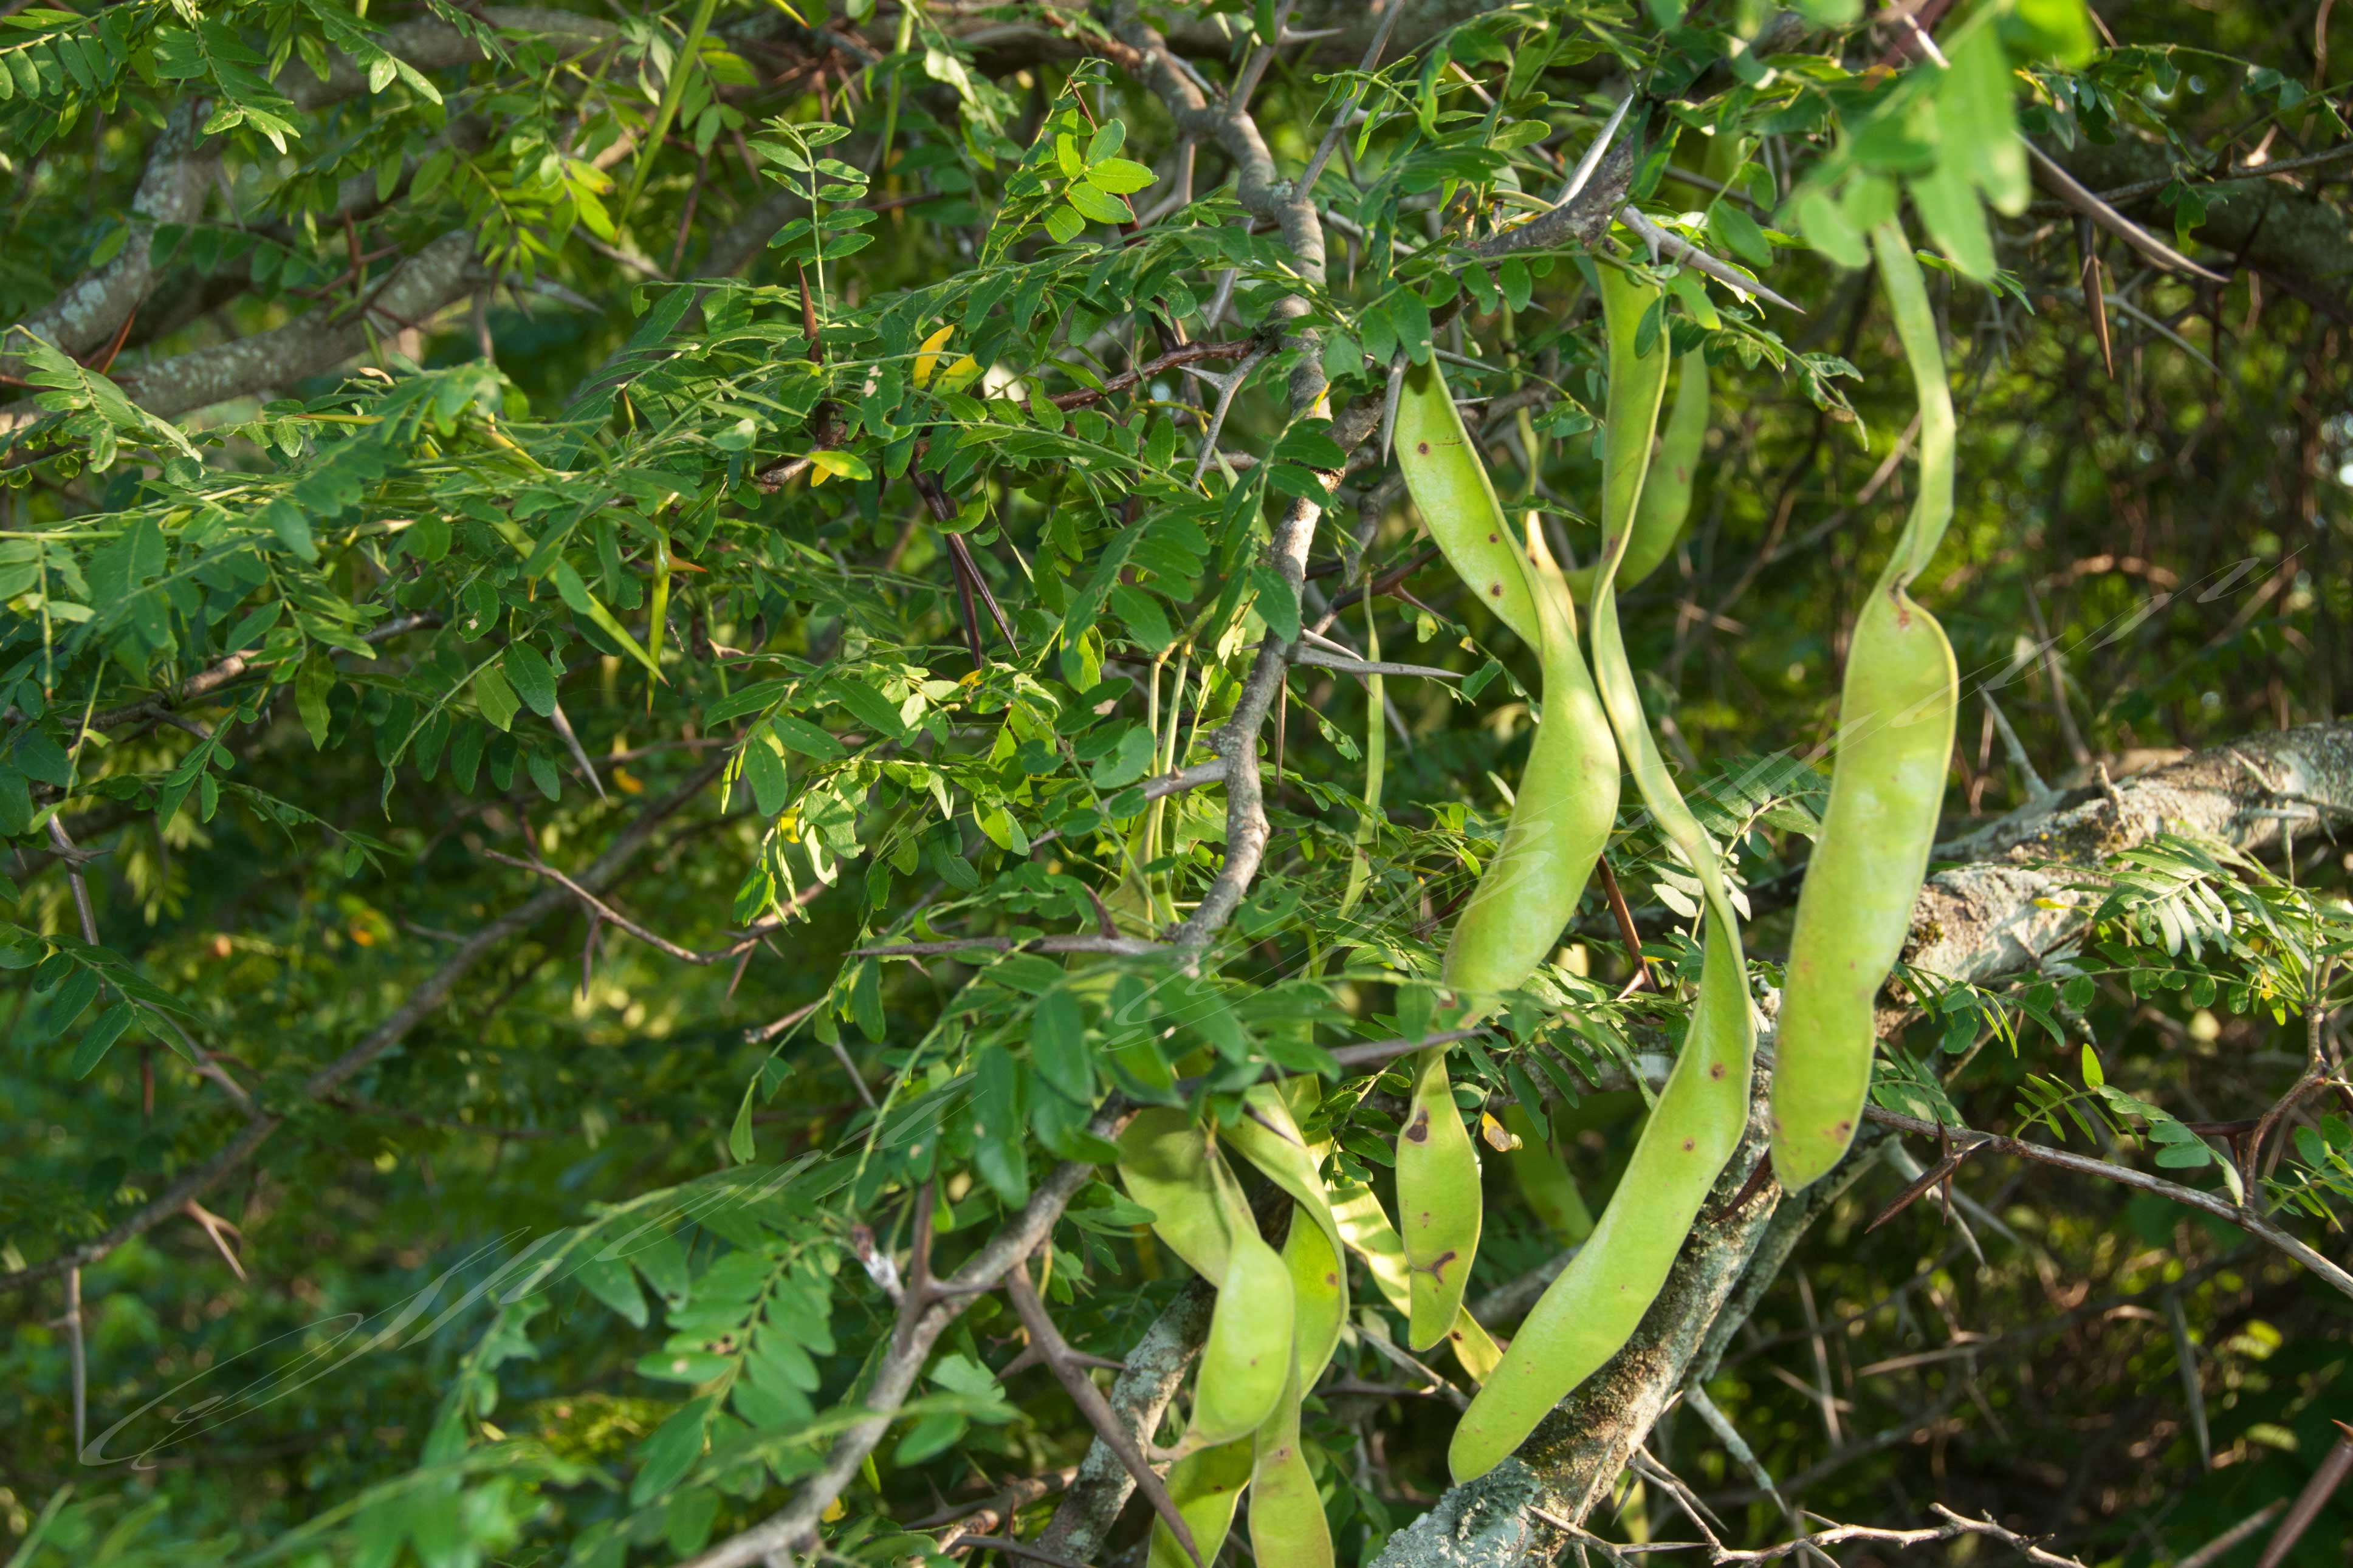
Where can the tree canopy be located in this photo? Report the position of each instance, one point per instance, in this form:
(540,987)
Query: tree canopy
(672,676)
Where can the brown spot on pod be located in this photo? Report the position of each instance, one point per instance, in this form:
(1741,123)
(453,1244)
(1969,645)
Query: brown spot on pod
(1438,1264)
(1716,1071)
(1422,448)
(1419,1132)
(1690,1144)
(1491,538)
(1845,1127)
(1496,589)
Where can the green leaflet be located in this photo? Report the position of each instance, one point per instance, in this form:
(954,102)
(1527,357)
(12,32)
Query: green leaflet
(1590,1311)
(1887,790)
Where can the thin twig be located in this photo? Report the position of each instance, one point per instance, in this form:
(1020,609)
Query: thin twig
(1047,1340)
(1324,149)
(2246,1219)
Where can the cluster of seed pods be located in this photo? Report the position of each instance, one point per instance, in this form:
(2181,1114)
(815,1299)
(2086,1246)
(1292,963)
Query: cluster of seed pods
(1279,1316)
(1277,1319)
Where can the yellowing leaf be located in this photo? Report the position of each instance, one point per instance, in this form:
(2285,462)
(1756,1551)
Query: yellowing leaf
(1500,1138)
(826,463)
(927,359)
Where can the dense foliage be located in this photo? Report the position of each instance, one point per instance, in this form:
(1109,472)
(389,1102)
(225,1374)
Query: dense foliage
(643,651)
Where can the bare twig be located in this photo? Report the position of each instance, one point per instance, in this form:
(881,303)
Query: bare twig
(1047,1342)
(2072,191)
(2246,1219)
(1339,126)
(921,1322)
(603,912)
(2330,1475)
(1677,248)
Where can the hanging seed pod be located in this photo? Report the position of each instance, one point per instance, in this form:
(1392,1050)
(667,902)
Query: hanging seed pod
(1561,816)
(1887,790)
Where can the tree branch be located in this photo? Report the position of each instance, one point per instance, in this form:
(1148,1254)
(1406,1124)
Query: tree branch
(923,1318)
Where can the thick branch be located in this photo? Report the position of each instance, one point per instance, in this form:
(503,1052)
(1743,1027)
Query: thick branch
(2000,915)
(180,167)
(443,273)
(1139,1397)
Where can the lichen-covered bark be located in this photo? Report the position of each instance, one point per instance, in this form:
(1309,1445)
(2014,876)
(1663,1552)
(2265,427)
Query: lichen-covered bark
(2000,914)
(446,270)
(1139,1397)
(86,315)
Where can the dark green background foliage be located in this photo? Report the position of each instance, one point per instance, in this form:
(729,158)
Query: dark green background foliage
(436,385)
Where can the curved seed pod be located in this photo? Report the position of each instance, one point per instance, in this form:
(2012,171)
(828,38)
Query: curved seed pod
(1665,502)
(1287,1525)
(1587,1314)
(1566,802)
(1438,1203)
(1561,816)
(1319,1295)
(1204,1486)
(1247,1357)
(1887,790)
(1366,1228)
(1269,1139)
(1457,499)
(1666,493)
(1164,1163)
(1544,1182)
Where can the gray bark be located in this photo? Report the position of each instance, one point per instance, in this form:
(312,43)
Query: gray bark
(1139,1397)
(171,190)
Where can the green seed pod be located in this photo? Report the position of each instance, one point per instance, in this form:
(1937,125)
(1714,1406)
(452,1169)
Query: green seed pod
(1164,1163)
(1287,1525)
(1587,1314)
(1457,499)
(1205,1486)
(1544,1182)
(1269,1139)
(1561,816)
(1666,494)
(1565,804)
(1887,790)
(1437,1202)
(1366,1228)
(1247,1357)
